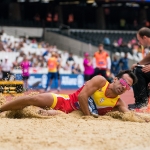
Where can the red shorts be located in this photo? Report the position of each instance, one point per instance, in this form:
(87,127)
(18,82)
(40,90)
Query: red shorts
(62,102)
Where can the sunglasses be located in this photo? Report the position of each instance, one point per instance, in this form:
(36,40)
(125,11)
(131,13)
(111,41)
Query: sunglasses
(124,83)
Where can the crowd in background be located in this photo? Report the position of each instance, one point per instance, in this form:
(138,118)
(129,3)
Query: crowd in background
(38,54)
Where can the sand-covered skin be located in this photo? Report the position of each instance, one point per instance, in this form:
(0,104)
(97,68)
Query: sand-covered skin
(72,131)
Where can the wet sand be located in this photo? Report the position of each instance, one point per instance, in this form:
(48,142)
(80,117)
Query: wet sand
(73,131)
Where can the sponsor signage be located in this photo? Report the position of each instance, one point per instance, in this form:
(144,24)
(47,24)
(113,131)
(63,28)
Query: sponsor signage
(38,81)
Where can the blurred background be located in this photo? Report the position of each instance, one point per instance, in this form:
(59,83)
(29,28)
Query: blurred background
(70,28)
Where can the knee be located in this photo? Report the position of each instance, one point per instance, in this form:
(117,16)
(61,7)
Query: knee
(32,99)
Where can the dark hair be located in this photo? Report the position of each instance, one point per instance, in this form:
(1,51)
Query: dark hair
(144,32)
(101,45)
(130,73)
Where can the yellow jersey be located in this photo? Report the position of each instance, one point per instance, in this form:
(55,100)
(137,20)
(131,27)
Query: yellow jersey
(103,103)
(52,64)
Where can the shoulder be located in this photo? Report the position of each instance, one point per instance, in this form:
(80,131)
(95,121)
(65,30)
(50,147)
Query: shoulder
(106,53)
(95,53)
(120,102)
(99,81)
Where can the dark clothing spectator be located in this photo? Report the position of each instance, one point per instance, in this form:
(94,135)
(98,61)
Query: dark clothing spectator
(115,67)
(124,62)
(70,57)
(140,89)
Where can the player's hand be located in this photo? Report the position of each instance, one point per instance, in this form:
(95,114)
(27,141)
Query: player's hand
(146,69)
(144,119)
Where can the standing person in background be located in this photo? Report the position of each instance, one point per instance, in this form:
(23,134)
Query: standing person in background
(6,68)
(102,62)
(25,64)
(140,89)
(88,67)
(52,71)
(115,66)
(70,58)
(59,61)
(124,62)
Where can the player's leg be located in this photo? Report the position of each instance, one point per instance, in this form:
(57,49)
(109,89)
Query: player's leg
(41,100)
(48,80)
(56,79)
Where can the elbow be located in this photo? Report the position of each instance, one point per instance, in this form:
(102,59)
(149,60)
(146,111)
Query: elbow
(81,98)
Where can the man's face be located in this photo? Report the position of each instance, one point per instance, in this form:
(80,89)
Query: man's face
(123,84)
(143,40)
(100,48)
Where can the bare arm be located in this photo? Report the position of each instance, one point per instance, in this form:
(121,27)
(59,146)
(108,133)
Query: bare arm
(90,87)
(121,106)
(145,60)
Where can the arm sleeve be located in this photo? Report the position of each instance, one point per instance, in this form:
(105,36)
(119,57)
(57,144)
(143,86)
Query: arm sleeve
(108,63)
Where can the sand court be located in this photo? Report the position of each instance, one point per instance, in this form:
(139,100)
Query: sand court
(73,131)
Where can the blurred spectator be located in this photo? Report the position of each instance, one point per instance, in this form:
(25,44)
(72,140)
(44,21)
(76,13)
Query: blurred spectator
(70,59)
(6,68)
(37,17)
(115,66)
(71,20)
(25,64)
(115,43)
(106,40)
(55,20)
(102,62)
(73,68)
(1,75)
(123,62)
(135,24)
(135,50)
(1,46)
(88,67)
(67,66)
(16,64)
(133,41)
(59,61)
(76,68)
(120,41)
(49,19)
(52,71)
(122,23)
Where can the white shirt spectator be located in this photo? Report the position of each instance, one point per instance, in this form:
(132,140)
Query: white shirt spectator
(6,66)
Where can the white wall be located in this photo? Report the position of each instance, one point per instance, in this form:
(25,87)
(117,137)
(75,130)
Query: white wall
(23,31)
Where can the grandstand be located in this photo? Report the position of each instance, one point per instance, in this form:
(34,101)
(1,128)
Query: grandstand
(39,28)
(81,35)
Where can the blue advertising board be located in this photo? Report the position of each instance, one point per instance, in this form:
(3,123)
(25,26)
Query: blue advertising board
(68,81)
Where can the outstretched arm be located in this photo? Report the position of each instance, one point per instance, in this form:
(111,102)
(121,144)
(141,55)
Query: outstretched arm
(90,87)
(145,60)
(123,108)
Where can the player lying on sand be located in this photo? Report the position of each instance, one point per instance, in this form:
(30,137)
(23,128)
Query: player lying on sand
(96,97)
